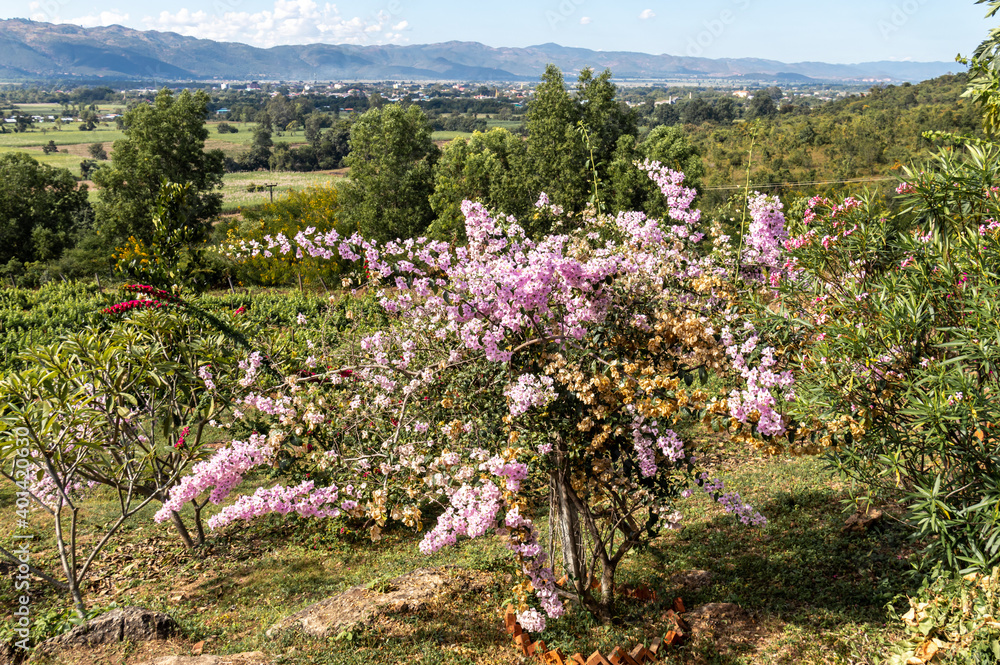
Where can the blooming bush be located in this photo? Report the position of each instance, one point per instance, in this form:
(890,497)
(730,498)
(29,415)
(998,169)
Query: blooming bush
(509,363)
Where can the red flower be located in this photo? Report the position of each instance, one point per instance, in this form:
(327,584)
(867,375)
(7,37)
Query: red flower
(129,305)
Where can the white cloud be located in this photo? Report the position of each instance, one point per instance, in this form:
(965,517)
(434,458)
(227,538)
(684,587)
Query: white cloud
(647,14)
(288,22)
(585,20)
(43,12)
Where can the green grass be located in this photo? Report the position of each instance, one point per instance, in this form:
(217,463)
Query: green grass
(73,143)
(235,194)
(506,124)
(447,136)
(817,594)
(68,135)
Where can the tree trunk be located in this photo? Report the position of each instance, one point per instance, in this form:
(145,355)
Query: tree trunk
(181,529)
(575,558)
(568,526)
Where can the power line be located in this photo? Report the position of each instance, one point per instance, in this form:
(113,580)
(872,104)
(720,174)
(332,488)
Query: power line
(799,184)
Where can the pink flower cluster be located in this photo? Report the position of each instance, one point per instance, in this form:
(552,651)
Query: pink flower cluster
(730,501)
(669,444)
(514,472)
(152,292)
(305,499)
(220,474)
(760,382)
(679,198)
(473,512)
(529,391)
(766,233)
(250,366)
(129,305)
(524,543)
(205,374)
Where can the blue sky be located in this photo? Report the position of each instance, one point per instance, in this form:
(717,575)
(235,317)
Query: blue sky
(843,31)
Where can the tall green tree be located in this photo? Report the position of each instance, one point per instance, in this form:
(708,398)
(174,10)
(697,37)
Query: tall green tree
(391,161)
(984,81)
(606,120)
(631,189)
(488,168)
(164,141)
(556,151)
(41,208)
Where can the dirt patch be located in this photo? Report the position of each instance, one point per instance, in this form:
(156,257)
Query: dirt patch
(726,625)
(362,605)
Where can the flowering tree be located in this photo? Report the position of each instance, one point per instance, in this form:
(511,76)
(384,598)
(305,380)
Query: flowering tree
(565,362)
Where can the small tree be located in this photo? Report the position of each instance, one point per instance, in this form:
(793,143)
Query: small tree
(176,253)
(39,202)
(124,409)
(96,151)
(513,363)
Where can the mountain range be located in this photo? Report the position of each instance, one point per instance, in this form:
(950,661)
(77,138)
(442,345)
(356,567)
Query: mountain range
(36,50)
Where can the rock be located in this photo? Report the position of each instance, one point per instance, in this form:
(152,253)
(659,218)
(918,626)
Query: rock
(248,658)
(862,521)
(406,594)
(135,624)
(691,579)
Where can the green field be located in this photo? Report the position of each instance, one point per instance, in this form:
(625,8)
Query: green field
(73,143)
(447,136)
(234,186)
(73,147)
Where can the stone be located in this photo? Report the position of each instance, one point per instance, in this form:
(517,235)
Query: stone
(135,624)
(407,594)
(11,655)
(862,521)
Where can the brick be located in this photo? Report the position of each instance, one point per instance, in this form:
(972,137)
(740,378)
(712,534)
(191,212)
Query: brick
(562,580)
(577,659)
(655,646)
(641,655)
(597,659)
(680,625)
(679,606)
(536,649)
(523,642)
(509,620)
(673,638)
(620,657)
(553,658)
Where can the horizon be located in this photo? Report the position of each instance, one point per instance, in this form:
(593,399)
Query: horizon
(883,30)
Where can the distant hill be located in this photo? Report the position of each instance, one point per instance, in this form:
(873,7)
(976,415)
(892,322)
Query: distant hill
(34,50)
